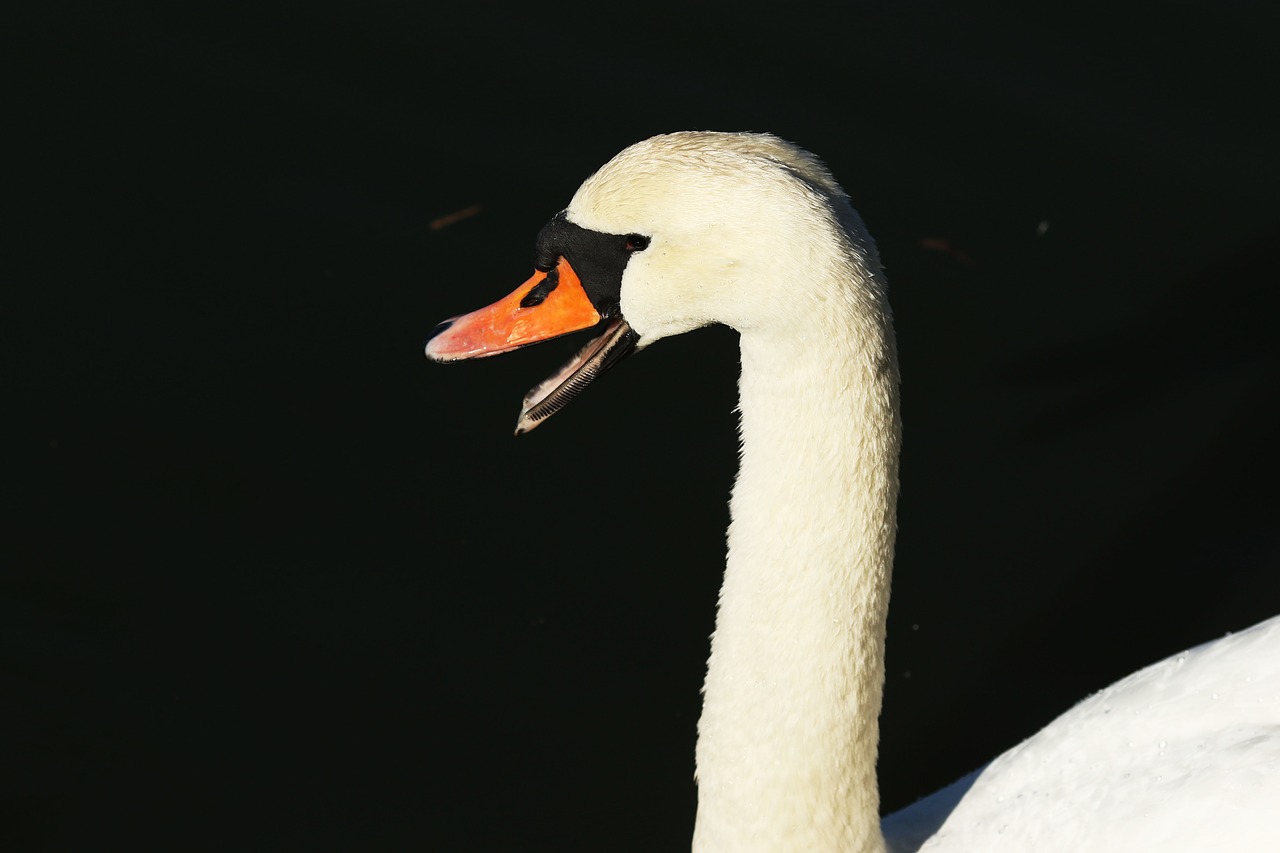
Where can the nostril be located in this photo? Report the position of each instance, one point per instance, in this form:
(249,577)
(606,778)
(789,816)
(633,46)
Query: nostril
(540,291)
(437,330)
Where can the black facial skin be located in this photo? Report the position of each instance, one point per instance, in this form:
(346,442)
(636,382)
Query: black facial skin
(598,259)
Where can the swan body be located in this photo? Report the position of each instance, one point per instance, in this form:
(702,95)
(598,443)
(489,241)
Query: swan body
(688,229)
(1181,755)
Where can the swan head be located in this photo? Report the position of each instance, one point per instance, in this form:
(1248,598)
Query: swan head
(674,233)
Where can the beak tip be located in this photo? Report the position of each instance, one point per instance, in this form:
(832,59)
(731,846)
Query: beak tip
(523,425)
(432,335)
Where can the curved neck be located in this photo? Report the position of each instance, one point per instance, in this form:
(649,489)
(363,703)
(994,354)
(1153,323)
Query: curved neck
(787,739)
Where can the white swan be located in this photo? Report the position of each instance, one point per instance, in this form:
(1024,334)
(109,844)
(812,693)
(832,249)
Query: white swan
(688,229)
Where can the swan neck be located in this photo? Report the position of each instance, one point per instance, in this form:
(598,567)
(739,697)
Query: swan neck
(788,735)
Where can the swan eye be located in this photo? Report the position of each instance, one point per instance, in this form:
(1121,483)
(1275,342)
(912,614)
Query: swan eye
(636,243)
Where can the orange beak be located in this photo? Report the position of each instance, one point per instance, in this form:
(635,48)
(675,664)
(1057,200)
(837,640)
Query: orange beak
(548,305)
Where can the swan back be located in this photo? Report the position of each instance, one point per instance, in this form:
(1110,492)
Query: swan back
(1181,755)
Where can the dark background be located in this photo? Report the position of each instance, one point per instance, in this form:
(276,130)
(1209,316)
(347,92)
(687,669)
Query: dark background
(276,583)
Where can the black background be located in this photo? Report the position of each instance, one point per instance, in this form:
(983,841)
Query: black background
(277,583)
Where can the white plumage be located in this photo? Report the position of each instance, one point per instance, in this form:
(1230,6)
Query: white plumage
(1182,755)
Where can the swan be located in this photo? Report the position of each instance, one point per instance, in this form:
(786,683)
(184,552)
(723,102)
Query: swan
(688,229)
